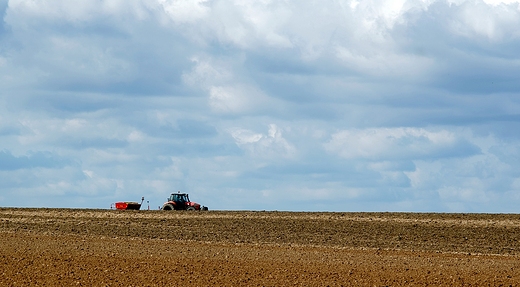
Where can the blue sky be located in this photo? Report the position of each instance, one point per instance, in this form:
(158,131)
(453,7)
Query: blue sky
(262,105)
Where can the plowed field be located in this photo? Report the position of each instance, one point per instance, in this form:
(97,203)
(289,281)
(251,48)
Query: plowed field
(63,247)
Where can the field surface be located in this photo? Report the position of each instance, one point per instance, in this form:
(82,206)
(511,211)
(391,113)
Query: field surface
(65,247)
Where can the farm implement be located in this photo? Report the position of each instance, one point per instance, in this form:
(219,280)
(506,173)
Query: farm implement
(127,205)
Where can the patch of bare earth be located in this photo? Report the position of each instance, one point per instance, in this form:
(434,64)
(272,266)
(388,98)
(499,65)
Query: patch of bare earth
(154,248)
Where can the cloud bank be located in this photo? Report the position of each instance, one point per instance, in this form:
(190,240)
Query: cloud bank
(265,105)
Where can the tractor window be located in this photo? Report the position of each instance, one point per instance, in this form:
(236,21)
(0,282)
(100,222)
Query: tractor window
(178,198)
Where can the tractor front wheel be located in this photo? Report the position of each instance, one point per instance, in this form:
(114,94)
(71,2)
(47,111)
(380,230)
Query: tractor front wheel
(168,206)
(190,208)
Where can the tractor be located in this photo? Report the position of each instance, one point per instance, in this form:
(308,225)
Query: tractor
(181,201)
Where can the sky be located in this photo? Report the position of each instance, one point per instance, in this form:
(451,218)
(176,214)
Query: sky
(290,105)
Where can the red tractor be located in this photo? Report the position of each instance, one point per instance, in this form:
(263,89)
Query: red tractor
(181,201)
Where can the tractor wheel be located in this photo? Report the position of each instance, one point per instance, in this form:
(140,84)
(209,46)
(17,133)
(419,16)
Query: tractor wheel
(190,208)
(168,206)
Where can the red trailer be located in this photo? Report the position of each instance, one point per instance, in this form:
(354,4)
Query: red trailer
(127,205)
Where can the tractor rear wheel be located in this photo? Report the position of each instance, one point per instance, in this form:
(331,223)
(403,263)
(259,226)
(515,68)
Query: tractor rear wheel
(168,206)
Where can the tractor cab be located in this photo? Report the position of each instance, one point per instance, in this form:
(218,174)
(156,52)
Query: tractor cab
(179,198)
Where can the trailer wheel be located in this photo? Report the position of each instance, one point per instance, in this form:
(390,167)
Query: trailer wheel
(168,206)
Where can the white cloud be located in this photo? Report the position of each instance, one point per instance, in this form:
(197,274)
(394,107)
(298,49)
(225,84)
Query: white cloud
(185,11)
(136,136)
(76,12)
(224,100)
(226,93)
(495,24)
(206,74)
(251,24)
(271,145)
(88,173)
(472,193)
(236,99)
(498,2)
(387,65)
(378,105)
(390,143)
(243,137)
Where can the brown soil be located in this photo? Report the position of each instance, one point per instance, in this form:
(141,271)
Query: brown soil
(156,248)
